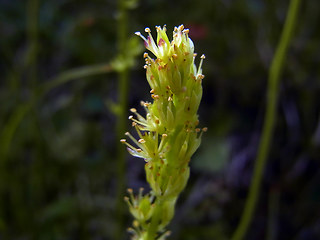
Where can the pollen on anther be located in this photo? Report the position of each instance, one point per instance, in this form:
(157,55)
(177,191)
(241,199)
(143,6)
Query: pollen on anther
(133,110)
(152,91)
(123,140)
(186,31)
(203,56)
(154,96)
(197,130)
(139,150)
(181,27)
(145,55)
(141,140)
(147,30)
(204,129)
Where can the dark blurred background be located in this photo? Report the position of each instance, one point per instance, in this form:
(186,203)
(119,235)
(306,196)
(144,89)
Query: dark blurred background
(60,64)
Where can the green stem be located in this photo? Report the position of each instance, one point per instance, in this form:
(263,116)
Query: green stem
(270,117)
(153,227)
(123,78)
(274,197)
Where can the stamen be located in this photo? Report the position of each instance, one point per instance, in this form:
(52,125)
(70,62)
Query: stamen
(133,139)
(138,131)
(139,122)
(200,65)
(140,35)
(163,141)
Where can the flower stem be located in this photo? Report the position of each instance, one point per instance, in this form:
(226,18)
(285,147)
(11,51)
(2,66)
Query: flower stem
(152,229)
(123,78)
(270,118)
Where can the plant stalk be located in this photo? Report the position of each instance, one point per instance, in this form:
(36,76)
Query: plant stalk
(270,118)
(123,78)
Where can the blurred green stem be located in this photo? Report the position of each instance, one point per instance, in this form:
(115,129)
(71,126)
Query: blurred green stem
(274,198)
(123,78)
(270,117)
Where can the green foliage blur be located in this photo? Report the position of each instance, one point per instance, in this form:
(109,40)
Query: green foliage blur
(59,63)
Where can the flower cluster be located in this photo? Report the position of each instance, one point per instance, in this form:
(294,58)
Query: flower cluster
(169,133)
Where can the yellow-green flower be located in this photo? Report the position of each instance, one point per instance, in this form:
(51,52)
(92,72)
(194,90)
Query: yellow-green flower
(168,133)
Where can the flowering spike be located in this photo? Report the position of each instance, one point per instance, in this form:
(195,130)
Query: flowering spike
(169,134)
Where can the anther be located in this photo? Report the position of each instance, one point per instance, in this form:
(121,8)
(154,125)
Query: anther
(130,117)
(157,121)
(133,110)
(123,140)
(186,31)
(204,129)
(147,30)
(141,140)
(154,96)
(203,56)
(139,150)
(152,91)
(181,27)
(197,130)
(145,55)
(164,135)
(169,98)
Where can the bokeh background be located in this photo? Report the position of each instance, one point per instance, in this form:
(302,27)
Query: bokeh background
(63,111)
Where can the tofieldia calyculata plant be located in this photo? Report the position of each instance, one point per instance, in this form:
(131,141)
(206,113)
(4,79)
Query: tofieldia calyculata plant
(168,134)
